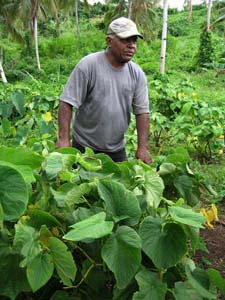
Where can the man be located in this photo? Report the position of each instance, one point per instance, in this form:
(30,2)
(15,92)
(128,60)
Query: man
(104,87)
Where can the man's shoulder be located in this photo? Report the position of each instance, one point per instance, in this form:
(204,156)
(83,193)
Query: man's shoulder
(91,58)
(135,69)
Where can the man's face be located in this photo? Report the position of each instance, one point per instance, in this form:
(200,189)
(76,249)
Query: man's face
(122,49)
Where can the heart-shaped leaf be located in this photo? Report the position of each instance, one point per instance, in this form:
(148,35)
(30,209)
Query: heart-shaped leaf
(122,254)
(165,245)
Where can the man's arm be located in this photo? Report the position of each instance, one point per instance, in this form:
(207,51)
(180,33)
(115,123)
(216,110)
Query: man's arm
(64,119)
(142,124)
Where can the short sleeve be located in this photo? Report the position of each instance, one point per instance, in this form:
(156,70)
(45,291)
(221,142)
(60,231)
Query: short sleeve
(75,89)
(140,100)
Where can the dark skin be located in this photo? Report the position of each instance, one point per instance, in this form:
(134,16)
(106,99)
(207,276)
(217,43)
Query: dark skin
(119,52)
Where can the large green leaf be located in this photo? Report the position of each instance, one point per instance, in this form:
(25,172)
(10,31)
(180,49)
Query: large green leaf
(154,188)
(187,189)
(13,192)
(122,254)
(39,271)
(57,162)
(21,156)
(187,216)
(184,291)
(199,280)
(93,227)
(150,287)
(165,245)
(25,171)
(18,101)
(26,240)
(120,203)
(63,260)
(13,280)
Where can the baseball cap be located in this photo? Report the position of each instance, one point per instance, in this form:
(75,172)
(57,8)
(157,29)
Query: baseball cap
(123,28)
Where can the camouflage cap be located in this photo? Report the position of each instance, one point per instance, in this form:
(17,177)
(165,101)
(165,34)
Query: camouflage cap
(123,28)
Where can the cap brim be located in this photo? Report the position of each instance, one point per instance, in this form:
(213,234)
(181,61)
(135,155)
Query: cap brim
(125,35)
(128,35)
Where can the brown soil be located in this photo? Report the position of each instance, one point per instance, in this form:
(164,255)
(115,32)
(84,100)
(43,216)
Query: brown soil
(215,242)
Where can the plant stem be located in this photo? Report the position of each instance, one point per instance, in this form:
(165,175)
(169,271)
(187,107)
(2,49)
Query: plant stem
(84,277)
(85,254)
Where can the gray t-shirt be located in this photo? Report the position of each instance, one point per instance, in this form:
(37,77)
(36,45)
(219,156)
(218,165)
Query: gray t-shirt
(103,97)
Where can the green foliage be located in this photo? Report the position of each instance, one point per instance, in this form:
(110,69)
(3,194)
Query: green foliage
(80,221)
(179,115)
(14,197)
(206,51)
(118,213)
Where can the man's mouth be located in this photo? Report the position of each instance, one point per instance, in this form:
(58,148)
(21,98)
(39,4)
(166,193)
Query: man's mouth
(129,53)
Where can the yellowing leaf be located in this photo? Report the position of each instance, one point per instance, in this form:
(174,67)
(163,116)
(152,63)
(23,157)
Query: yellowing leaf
(180,94)
(210,214)
(55,231)
(47,117)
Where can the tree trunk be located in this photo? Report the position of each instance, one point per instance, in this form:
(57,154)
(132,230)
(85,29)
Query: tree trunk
(190,11)
(1,67)
(33,27)
(130,9)
(164,36)
(77,18)
(36,43)
(208,15)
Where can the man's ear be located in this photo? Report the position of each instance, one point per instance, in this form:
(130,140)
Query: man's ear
(109,41)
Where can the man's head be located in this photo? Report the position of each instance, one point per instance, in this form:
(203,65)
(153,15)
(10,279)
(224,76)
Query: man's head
(123,28)
(121,39)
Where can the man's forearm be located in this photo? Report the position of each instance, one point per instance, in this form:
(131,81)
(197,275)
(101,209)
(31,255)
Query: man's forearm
(142,125)
(64,119)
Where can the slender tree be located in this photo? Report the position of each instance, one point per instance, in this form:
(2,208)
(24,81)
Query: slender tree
(188,4)
(130,8)
(34,29)
(77,18)
(1,67)
(190,11)
(164,37)
(208,18)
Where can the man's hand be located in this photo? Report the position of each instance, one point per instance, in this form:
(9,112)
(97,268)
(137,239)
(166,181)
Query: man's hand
(142,124)
(62,143)
(143,154)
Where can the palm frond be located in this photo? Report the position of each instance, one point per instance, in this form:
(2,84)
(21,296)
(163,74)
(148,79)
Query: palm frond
(220,19)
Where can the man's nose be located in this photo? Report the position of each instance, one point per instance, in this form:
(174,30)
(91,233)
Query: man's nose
(132,44)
